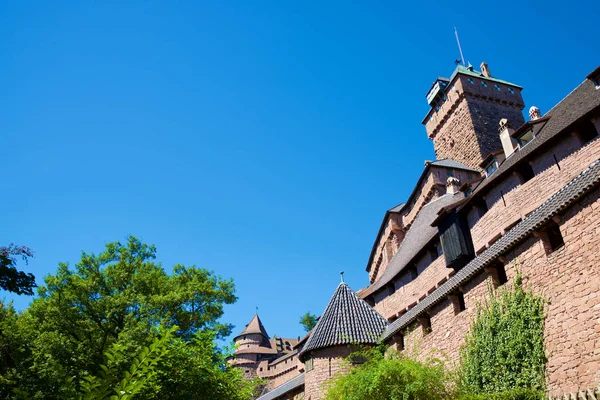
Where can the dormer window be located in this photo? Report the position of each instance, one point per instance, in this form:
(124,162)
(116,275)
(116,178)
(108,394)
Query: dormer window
(491,167)
(525,138)
(594,76)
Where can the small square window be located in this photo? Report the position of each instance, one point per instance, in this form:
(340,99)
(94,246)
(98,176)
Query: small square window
(483,84)
(525,171)
(450,172)
(471,81)
(497,87)
(498,274)
(425,322)
(458,301)
(511,91)
(491,167)
(554,239)
(399,339)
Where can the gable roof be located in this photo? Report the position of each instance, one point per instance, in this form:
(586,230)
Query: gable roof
(348,319)
(450,163)
(418,236)
(284,388)
(581,101)
(582,184)
(443,163)
(254,326)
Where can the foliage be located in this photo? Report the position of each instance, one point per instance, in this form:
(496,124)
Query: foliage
(12,279)
(505,347)
(117,303)
(393,377)
(514,394)
(142,371)
(308,321)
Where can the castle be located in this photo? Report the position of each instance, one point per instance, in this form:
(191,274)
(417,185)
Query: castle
(502,193)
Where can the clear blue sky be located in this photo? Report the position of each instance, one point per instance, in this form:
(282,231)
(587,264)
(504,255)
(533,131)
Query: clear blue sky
(262,140)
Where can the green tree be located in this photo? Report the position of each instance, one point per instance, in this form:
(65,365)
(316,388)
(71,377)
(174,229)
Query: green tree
(11,279)
(505,347)
(392,377)
(121,299)
(308,321)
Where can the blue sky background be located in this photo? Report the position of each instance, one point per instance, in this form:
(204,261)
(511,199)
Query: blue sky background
(262,140)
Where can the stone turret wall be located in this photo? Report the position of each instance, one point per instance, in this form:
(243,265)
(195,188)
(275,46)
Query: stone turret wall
(326,364)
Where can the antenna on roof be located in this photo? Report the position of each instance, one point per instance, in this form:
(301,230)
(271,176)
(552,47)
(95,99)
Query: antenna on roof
(342,276)
(256,310)
(459,46)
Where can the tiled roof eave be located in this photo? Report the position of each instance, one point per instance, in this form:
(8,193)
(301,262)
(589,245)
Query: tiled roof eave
(284,388)
(559,201)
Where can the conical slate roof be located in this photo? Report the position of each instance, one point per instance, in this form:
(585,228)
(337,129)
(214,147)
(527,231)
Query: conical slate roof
(254,326)
(348,319)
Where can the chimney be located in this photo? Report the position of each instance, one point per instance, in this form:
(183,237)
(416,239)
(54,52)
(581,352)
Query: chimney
(534,113)
(508,143)
(452,185)
(485,70)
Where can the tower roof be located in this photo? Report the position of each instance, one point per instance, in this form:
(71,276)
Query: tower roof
(254,326)
(347,320)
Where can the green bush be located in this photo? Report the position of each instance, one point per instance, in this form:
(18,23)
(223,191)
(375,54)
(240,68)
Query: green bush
(515,394)
(392,377)
(504,349)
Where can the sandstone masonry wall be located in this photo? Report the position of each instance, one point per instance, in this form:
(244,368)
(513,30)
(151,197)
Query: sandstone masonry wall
(326,364)
(569,278)
(523,198)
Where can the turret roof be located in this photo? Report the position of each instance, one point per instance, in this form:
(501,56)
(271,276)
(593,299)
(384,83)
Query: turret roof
(347,320)
(254,326)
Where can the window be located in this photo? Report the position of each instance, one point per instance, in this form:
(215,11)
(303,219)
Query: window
(481,206)
(450,172)
(469,175)
(554,239)
(399,339)
(491,167)
(588,131)
(525,138)
(413,272)
(308,364)
(370,301)
(511,91)
(483,84)
(425,322)
(497,87)
(471,81)
(458,301)
(525,172)
(391,288)
(498,274)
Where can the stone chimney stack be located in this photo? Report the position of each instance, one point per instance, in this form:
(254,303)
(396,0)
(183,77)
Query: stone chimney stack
(534,113)
(485,70)
(452,185)
(508,143)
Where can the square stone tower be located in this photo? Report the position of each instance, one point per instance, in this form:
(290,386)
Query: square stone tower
(465,111)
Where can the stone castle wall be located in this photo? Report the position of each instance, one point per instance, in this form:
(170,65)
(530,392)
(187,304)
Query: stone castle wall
(569,278)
